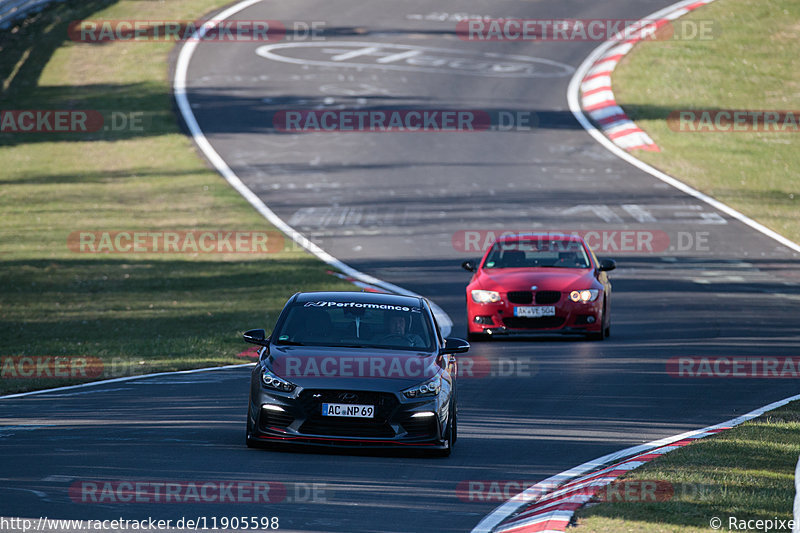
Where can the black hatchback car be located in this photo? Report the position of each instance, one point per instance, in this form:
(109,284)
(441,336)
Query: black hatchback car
(355,370)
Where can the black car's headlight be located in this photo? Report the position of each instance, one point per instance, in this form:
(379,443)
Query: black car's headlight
(586,295)
(429,388)
(271,381)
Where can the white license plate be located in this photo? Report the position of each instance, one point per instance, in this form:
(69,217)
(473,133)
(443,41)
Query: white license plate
(535,312)
(348,410)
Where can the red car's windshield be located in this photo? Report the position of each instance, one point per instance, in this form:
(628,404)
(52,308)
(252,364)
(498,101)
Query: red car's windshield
(537,253)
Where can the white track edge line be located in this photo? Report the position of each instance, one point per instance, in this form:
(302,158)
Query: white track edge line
(125,378)
(179,89)
(573,99)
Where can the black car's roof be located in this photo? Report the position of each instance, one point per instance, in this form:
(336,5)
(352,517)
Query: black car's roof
(359,297)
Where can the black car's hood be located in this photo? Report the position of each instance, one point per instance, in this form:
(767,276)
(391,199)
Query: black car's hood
(352,368)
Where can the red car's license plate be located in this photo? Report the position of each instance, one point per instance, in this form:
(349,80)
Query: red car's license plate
(535,312)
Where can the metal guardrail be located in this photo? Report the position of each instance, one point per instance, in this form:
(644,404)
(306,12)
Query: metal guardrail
(13,10)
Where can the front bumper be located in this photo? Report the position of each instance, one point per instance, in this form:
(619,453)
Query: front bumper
(570,317)
(296,418)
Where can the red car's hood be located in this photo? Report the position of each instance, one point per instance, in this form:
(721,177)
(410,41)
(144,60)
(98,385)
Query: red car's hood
(545,279)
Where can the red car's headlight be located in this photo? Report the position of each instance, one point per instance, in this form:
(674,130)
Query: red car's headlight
(586,295)
(485,297)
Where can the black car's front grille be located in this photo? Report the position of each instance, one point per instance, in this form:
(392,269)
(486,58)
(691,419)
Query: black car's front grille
(545,322)
(378,426)
(547,297)
(520,297)
(273,419)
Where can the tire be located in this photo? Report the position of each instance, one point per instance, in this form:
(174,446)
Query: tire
(450,434)
(251,442)
(605,328)
(455,426)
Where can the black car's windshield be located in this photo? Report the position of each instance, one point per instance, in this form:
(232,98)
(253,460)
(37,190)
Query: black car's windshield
(356,324)
(537,253)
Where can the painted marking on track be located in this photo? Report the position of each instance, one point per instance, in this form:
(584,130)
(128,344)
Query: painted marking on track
(56,478)
(41,495)
(641,214)
(604,212)
(365,55)
(7,431)
(359,89)
(81,393)
(343,216)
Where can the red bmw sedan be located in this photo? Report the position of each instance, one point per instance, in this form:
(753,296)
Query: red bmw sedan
(539,283)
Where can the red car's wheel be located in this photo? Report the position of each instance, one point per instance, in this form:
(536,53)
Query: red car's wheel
(605,327)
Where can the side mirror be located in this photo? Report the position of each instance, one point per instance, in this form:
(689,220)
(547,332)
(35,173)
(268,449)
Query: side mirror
(455,345)
(607,265)
(256,336)
(470,265)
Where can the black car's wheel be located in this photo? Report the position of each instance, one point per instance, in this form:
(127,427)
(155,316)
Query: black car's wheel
(251,442)
(455,425)
(449,436)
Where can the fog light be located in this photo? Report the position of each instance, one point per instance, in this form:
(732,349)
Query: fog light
(269,407)
(483,319)
(590,320)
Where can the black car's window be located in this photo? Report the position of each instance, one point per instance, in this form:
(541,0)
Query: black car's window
(323,323)
(537,253)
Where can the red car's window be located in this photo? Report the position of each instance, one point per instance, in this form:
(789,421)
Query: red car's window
(532,254)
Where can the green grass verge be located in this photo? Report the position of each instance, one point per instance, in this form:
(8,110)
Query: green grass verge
(751,63)
(136,312)
(746,472)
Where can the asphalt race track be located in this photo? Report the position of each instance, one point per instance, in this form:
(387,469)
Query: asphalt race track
(389,204)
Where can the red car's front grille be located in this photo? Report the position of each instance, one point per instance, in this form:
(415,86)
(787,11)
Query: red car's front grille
(520,297)
(527,297)
(547,297)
